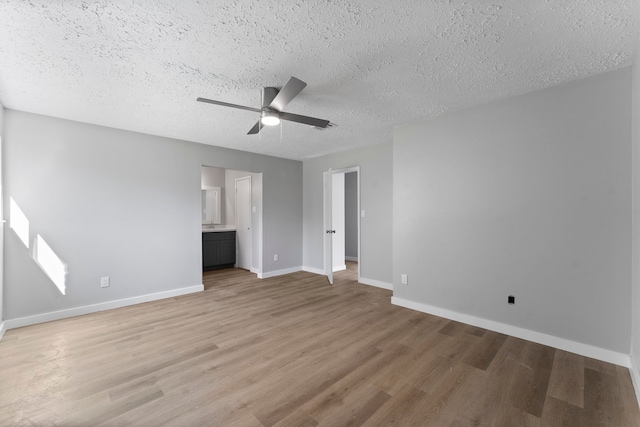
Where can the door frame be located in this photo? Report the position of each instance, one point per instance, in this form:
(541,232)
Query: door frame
(328,252)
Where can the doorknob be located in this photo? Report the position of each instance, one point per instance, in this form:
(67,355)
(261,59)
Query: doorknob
(331,231)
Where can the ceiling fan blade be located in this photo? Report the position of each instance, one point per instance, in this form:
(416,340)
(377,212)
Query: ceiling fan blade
(226,104)
(256,128)
(311,121)
(290,90)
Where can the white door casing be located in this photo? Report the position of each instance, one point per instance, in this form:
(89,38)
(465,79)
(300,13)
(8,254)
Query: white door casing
(328,231)
(337,221)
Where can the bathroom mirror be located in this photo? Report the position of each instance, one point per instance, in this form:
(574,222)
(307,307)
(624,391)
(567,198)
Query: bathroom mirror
(211,201)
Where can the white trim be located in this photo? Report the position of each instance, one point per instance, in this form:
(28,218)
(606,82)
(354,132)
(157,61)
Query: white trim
(327,216)
(280,272)
(351,258)
(359,215)
(340,268)
(587,350)
(635,377)
(313,270)
(376,283)
(3,329)
(260,223)
(93,308)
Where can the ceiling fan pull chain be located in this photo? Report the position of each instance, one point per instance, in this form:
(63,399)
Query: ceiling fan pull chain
(259,125)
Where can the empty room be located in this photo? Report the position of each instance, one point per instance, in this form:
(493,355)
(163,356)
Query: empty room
(319,213)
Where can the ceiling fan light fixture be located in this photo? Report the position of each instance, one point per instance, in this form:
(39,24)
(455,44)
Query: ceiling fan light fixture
(270,118)
(272,105)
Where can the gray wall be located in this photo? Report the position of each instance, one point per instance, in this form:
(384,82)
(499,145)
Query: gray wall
(351,214)
(125,205)
(375,197)
(635,338)
(213,177)
(529,197)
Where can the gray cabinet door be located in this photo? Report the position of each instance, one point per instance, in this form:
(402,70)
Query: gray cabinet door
(218,250)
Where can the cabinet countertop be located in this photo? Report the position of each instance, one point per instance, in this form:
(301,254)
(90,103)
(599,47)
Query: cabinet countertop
(217,230)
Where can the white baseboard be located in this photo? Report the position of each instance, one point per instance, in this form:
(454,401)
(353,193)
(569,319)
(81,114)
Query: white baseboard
(93,308)
(280,272)
(3,328)
(340,268)
(587,350)
(313,270)
(351,258)
(376,283)
(635,377)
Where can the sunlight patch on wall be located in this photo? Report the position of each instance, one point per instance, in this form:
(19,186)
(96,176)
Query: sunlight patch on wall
(50,263)
(18,222)
(44,256)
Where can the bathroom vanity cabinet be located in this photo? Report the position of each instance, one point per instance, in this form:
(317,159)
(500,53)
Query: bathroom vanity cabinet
(218,249)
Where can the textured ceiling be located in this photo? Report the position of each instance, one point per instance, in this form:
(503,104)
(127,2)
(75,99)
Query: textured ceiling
(369,64)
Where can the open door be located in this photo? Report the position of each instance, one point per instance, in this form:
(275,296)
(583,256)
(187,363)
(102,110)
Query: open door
(243,223)
(328,229)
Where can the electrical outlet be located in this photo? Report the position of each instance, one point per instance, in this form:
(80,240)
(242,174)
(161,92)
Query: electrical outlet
(404,279)
(275,257)
(104,282)
(363,214)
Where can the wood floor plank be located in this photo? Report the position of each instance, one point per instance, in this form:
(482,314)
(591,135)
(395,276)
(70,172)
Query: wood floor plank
(294,351)
(288,400)
(453,328)
(482,353)
(492,394)
(631,410)
(405,408)
(534,372)
(298,419)
(443,397)
(412,370)
(567,378)
(603,404)
(561,413)
(362,415)
(348,395)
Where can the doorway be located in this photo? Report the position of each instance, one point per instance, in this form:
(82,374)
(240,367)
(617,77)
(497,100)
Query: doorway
(341,219)
(225,180)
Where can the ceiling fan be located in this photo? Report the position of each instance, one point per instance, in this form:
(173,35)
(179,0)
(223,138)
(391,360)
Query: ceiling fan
(273,102)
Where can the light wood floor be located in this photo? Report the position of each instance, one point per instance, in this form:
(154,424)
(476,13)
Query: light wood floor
(293,351)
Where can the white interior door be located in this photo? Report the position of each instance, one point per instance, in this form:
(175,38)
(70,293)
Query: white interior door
(337,221)
(243,222)
(328,230)
(2,222)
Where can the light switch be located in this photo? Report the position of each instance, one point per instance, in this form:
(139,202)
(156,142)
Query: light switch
(362,214)
(254,209)
(104,282)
